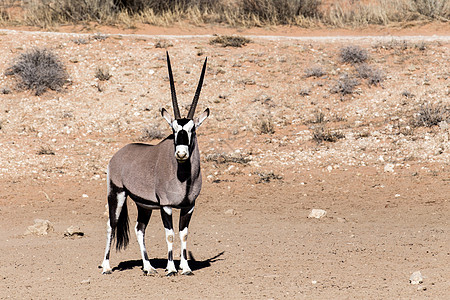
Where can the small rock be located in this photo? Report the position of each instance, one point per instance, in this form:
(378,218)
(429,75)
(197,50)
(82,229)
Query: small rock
(73,231)
(421,288)
(389,168)
(40,227)
(86,281)
(341,220)
(230,211)
(85,196)
(416,278)
(317,213)
(443,125)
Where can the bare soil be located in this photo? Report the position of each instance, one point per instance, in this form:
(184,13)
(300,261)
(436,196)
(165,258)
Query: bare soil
(385,182)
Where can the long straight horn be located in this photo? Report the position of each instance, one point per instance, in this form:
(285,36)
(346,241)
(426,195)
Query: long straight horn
(197,92)
(176,110)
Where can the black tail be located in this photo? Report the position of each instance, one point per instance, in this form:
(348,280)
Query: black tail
(122,229)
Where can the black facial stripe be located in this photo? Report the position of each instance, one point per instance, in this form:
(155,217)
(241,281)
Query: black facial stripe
(183,121)
(182,138)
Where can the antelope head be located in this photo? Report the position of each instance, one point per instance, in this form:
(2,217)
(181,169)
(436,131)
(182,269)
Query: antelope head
(184,128)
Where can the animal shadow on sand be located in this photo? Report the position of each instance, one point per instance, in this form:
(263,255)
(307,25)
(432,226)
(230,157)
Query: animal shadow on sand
(160,263)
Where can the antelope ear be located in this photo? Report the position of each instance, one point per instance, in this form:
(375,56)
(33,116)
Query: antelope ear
(199,120)
(167,116)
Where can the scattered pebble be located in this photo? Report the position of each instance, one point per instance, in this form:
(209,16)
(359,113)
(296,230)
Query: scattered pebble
(73,231)
(317,213)
(230,212)
(389,168)
(416,278)
(40,227)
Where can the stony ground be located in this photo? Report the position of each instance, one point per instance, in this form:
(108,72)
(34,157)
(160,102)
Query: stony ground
(278,143)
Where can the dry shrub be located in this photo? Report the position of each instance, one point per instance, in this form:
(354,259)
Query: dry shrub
(345,85)
(383,12)
(353,54)
(220,158)
(39,70)
(45,150)
(266,177)
(314,72)
(279,11)
(429,115)
(373,75)
(321,134)
(433,9)
(151,133)
(307,13)
(230,41)
(53,12)
(102,73)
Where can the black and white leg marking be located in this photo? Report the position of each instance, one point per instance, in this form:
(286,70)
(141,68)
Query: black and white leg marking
(116,200)
(166,215)
(185,218)
(141,224)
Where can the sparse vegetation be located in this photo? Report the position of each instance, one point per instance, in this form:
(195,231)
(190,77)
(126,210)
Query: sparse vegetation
(151,133)
(163,44)
(266,177)
(321,134)
(39,70)
(345,85)
(279,11)
(305,13)
(5,90)
(230,41)
(264,125)
(220,158)
(102,73)
(319,118)
(45,150)
(374,76)
(353,54)
(429,115)
(314,72)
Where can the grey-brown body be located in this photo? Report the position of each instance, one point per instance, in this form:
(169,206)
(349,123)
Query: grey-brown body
(152,177)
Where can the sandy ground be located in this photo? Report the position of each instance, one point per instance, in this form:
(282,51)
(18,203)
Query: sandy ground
(384,183)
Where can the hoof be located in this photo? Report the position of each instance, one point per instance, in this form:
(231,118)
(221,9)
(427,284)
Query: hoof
(170,274)
(188,273)
(150,272)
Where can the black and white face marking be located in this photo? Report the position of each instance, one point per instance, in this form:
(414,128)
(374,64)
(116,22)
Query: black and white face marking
(183,130)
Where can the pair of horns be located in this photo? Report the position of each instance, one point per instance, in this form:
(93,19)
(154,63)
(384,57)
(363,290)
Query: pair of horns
(176,110)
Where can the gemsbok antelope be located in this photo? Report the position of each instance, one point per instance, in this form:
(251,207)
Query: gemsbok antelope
(162,176)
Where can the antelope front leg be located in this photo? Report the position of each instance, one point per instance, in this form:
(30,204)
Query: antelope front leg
(141,225)
(166,215)
(185,218)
